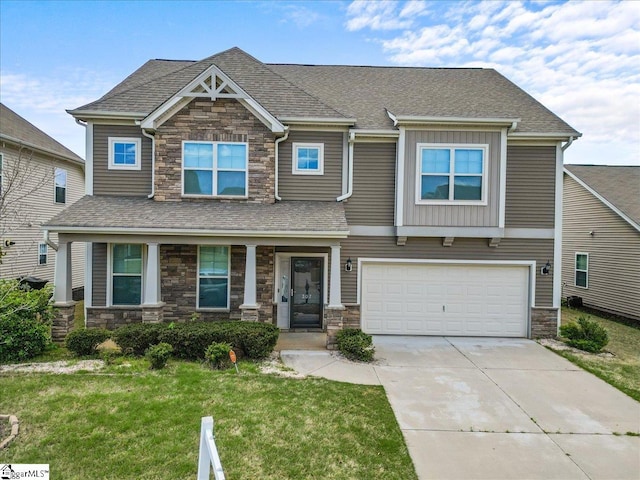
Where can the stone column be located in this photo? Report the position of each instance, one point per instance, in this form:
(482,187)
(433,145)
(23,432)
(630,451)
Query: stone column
(62,294)
(249,305)
(151,302)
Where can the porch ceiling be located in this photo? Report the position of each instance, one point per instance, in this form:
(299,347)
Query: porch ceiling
(140,215)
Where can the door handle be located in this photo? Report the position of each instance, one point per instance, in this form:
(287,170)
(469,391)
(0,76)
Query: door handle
(291,293)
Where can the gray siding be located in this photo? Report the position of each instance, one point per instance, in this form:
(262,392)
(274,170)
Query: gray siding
(374,173)
(325,187)
(530,196)
(614,253)
(119,182)
(452,215)
(462,249)
(99,275)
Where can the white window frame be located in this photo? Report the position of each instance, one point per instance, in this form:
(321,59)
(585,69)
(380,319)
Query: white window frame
(452,147)
(294,159)
(41,253)
(228,277)
(110,275)
(576,270)
(112,143)
(55,185)
(214,171)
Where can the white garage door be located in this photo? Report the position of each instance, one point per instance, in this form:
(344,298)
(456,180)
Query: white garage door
(441,299)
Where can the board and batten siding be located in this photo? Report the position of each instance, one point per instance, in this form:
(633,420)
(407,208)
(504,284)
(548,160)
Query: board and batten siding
(614,253)
(452,215)
(374,173)
(530,195)
(462,249)
(34,209)
(120,182)
(326,187)
(99,275)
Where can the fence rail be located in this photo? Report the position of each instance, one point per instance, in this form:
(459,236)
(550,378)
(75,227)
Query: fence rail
(208,457)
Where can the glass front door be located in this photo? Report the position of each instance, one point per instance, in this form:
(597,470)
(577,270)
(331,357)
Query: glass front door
(306,292)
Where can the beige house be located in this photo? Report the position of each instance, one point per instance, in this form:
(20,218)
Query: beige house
(39,178)
(406,201)
(601,237)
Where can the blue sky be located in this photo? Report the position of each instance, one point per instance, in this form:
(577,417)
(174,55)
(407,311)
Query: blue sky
(580,59)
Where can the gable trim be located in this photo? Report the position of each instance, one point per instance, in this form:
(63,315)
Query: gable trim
(604,200)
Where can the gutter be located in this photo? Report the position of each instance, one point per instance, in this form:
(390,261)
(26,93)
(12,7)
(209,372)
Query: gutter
(153,162)
(352,139)
(46,151)
(278,140)
(48,241)
(568,144)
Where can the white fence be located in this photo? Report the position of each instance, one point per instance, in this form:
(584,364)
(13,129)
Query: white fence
(208,452)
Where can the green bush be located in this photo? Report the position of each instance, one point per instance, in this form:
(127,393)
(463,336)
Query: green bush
(586,335)
(354,344)
(136,338)
(217,355)
(25,321)
(84,341)
(158,355)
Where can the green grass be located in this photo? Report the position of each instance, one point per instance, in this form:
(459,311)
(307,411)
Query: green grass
(132,423)
(623,369)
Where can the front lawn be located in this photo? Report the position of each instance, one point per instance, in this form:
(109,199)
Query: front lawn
(623,369)
(132,423)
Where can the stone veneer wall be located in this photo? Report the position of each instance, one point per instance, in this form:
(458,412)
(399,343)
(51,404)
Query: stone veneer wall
(222,120)
(112,317)
(544,322)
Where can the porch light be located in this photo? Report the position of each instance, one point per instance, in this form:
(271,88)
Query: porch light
(349,265)
(546,269)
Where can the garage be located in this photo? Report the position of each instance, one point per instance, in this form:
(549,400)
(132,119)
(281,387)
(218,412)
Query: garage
(405,298)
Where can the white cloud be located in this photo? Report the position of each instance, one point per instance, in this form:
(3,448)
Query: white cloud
(379,15)
(580,59)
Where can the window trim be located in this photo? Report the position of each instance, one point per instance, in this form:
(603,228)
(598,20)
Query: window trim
(228,277)
(138,143)
(576,270)
(214,170)
(55,185)
(110,275)
(484,147)
(41,254)
(294,158)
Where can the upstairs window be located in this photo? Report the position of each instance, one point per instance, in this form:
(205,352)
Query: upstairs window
(451,174)
(126,274)
(214,169)
(582,270)
(213,277)
(42,254)
(124,153)
(308,159)
(60,185)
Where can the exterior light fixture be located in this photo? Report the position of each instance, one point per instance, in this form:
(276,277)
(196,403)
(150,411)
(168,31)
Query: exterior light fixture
(349,265)
(546,269)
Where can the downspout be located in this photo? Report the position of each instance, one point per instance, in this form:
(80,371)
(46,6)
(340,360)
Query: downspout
(48,241)
(278,140)
(352,139)
(513,126)
(81,123)
(153,163)
(568,144)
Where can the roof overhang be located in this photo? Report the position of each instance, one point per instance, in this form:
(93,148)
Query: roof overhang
(320,121)
(95,114)
(552,136)
(46,151)
(464,121)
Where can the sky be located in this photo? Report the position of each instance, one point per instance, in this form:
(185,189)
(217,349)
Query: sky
(580,59)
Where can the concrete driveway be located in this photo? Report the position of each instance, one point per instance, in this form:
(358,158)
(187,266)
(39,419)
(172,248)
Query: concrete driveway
(494,408)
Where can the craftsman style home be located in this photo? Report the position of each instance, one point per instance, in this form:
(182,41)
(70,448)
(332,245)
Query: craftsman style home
(411,201)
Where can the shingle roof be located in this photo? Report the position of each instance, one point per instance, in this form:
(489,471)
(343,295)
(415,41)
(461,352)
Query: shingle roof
(140,213)
(619,185)
(15,128)
(325,91)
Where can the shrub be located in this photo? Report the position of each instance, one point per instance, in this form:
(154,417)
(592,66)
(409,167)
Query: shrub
(138,337)
(25,318)
(158,355)
(217,355)
(84,341)
(354,344)
(586,335)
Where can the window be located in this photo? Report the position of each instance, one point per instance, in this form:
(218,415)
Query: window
(42,254)
(213,277)
(214,169)
(61,185)
(582,270)
(126,274)
(124,153)
(451,173)
(308,159)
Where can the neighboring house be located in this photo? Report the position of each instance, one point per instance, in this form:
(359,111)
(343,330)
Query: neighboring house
(39,178)
(601,237)
(403,200)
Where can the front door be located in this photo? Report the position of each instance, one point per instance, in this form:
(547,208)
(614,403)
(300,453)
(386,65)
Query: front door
(306,292)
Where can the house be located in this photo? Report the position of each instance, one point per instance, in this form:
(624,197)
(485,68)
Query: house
(412,201)
(601,237)
(39,178)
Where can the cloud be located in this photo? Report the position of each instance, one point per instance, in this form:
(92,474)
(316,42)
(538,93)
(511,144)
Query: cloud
(580,59)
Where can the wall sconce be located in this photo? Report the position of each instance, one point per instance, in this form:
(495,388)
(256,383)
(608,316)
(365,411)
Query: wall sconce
(546,269)
(9,243)
(349,265)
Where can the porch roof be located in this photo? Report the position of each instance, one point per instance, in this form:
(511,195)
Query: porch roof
(140,215)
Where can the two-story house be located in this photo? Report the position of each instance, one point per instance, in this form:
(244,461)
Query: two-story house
(401,200)
(39,178)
